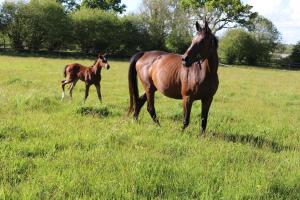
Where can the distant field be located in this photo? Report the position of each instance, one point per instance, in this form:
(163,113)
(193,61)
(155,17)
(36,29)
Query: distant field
(68,150)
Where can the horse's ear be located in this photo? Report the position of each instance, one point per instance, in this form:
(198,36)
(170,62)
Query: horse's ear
(198,27)
(206,28)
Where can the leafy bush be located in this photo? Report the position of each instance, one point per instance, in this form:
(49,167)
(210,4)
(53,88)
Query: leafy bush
(295,56)
(132,27)
(94,29)
(12,23)
(242,47)
(178,41)
(238,46)
(37,24)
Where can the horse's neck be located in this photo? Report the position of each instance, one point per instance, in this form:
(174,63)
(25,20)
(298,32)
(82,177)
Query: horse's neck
(213,62)
(96,70)
(208,67)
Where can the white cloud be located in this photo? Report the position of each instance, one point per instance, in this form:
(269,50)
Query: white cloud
(283,13)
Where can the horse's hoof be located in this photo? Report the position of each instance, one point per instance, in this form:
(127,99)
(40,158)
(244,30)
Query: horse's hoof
(202,134)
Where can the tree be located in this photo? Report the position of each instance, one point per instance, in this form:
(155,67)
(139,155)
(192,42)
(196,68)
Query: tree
(158,16)
(132,27)
(58,26)
(12,23)
(239,46)
(180,34)
(220,13)
(95,29)
(267,36)
(46,25)
(69,5)
(114,5)
(265,31)
(295,56)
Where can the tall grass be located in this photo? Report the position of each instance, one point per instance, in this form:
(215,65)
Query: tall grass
(70,150)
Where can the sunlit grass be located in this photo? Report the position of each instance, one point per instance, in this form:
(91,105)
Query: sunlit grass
(52,149)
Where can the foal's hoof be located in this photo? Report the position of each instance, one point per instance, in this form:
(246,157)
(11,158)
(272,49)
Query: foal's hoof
(157,122)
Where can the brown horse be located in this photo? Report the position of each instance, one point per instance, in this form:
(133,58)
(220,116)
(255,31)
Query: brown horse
(190,77)
(90,75)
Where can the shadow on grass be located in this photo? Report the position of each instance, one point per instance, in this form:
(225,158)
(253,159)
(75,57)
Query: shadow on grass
(94,112)
(279,190)
(255,141)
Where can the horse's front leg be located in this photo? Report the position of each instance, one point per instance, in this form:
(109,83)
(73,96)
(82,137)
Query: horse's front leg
(187,106)
(87,88)
(98,89)
(204,113)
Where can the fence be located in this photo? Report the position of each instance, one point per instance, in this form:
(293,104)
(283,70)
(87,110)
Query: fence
(274,63)
(6,50)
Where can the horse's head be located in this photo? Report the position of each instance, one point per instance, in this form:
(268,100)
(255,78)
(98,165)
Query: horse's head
(102,61)
(202,45)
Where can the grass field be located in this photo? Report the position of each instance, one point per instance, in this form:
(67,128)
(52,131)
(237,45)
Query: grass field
(69,150)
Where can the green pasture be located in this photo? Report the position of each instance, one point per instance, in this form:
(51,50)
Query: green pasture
(70,150)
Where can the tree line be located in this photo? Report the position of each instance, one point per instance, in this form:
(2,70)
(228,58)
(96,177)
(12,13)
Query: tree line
(92,25)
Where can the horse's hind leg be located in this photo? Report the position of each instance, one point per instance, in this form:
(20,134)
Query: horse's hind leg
(72,87)
(63,83)
(150,105)
(204,113)
(141,101)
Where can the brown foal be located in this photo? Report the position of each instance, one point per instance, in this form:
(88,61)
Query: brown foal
(90,75)
(190,77)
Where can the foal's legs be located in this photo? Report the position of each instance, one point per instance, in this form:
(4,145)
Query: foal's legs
(150,105)
(72,87)
(139,104)
(98,89)
(87,88)
(204,113)
(63,83)
(187,106)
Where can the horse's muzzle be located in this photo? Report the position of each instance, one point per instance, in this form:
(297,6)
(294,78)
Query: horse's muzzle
(185,61)
(107,67)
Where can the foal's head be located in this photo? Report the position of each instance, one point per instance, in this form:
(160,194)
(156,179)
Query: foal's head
(102,61)
(202,45)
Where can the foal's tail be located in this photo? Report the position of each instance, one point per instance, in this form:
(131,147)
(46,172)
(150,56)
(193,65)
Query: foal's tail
(132,80)
(65,71)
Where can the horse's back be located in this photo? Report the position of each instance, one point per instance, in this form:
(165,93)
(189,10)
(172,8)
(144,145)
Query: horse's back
(76,70)
(144,63)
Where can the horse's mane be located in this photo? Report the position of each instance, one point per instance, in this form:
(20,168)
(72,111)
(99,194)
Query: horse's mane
(215,41)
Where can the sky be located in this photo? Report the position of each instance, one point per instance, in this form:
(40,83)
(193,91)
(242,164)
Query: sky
(284,14)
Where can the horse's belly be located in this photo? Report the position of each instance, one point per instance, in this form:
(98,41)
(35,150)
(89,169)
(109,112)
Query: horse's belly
(167,86)
(171,93)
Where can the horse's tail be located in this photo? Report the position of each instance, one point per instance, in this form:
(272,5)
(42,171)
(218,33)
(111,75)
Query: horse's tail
(132,80)
(65,71)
